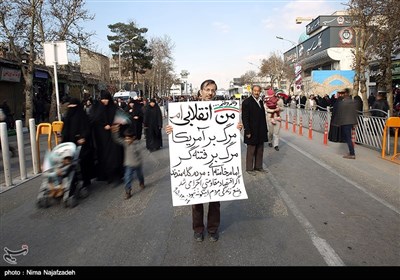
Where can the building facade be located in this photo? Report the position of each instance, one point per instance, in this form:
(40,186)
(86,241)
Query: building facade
(328,46)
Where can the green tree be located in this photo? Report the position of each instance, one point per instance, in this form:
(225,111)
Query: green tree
(135,54)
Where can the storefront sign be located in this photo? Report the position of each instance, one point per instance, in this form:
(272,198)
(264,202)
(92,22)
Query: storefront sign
(41,74)
(10,75)
(332,21)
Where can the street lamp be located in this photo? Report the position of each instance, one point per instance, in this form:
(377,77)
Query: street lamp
(119,59)
(293,43)
(258,66)
(297,57)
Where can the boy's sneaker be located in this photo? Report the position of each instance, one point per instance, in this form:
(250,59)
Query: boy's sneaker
(128,194)
(198,236)
(141,186)
(213,237)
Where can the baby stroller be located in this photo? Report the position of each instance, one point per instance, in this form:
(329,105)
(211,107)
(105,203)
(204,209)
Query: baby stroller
(61,176)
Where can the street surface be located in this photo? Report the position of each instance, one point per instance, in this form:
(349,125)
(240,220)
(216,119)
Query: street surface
(313,208)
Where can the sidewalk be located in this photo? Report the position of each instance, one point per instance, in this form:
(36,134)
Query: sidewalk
(15,161)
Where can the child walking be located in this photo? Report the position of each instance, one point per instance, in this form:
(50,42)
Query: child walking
(132,158)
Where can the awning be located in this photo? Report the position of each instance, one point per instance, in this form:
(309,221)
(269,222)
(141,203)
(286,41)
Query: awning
(315,60)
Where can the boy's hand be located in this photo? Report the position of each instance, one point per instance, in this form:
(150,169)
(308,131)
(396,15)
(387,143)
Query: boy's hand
(81,141)
(115,128)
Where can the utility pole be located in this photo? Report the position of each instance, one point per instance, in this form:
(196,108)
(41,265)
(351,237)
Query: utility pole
(297,67)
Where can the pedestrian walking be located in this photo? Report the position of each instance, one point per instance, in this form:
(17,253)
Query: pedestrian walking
(11,149)
(134,109)
(132,158)
(76,129)
(335,131)
(109,155)
(153,122)
(347,118)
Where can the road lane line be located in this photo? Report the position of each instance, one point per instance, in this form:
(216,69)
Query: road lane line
(331,169)
(326,251)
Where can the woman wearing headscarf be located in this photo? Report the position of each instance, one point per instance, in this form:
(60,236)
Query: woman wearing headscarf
(153,123)
(109,154)
(134,109)
(76,129)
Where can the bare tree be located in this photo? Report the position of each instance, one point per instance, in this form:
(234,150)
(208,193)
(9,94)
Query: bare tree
(289,74)
(27,24)
(162,75)
(248,77)
(273,67)
(362,14)
(376,26)
(386,43)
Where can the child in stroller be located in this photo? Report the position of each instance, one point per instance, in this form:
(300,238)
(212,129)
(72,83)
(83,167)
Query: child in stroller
(61,176)
(56,178)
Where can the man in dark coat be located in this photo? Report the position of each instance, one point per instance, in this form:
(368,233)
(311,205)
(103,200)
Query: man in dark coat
(255,130)
(380,106)
(347,118)
(335,131)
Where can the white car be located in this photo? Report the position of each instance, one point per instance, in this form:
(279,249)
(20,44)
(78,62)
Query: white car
(125,95)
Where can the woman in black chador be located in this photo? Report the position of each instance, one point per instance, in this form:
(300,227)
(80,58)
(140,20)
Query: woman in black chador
(109,154)
(335,134)
(76,129)
(134,109)
(153,123)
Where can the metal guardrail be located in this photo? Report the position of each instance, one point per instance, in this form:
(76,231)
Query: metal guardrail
(369,130)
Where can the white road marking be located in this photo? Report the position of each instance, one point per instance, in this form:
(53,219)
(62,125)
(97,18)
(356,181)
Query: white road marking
(326,251)
(331,169)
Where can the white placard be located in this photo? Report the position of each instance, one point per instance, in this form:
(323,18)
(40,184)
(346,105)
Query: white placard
(205,155)
(55,52)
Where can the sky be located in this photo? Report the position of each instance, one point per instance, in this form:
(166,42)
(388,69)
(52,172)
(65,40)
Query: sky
(218,40)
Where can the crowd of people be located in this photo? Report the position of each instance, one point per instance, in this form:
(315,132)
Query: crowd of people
(109,132)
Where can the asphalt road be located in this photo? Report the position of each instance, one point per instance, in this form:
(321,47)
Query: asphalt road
(313,208)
